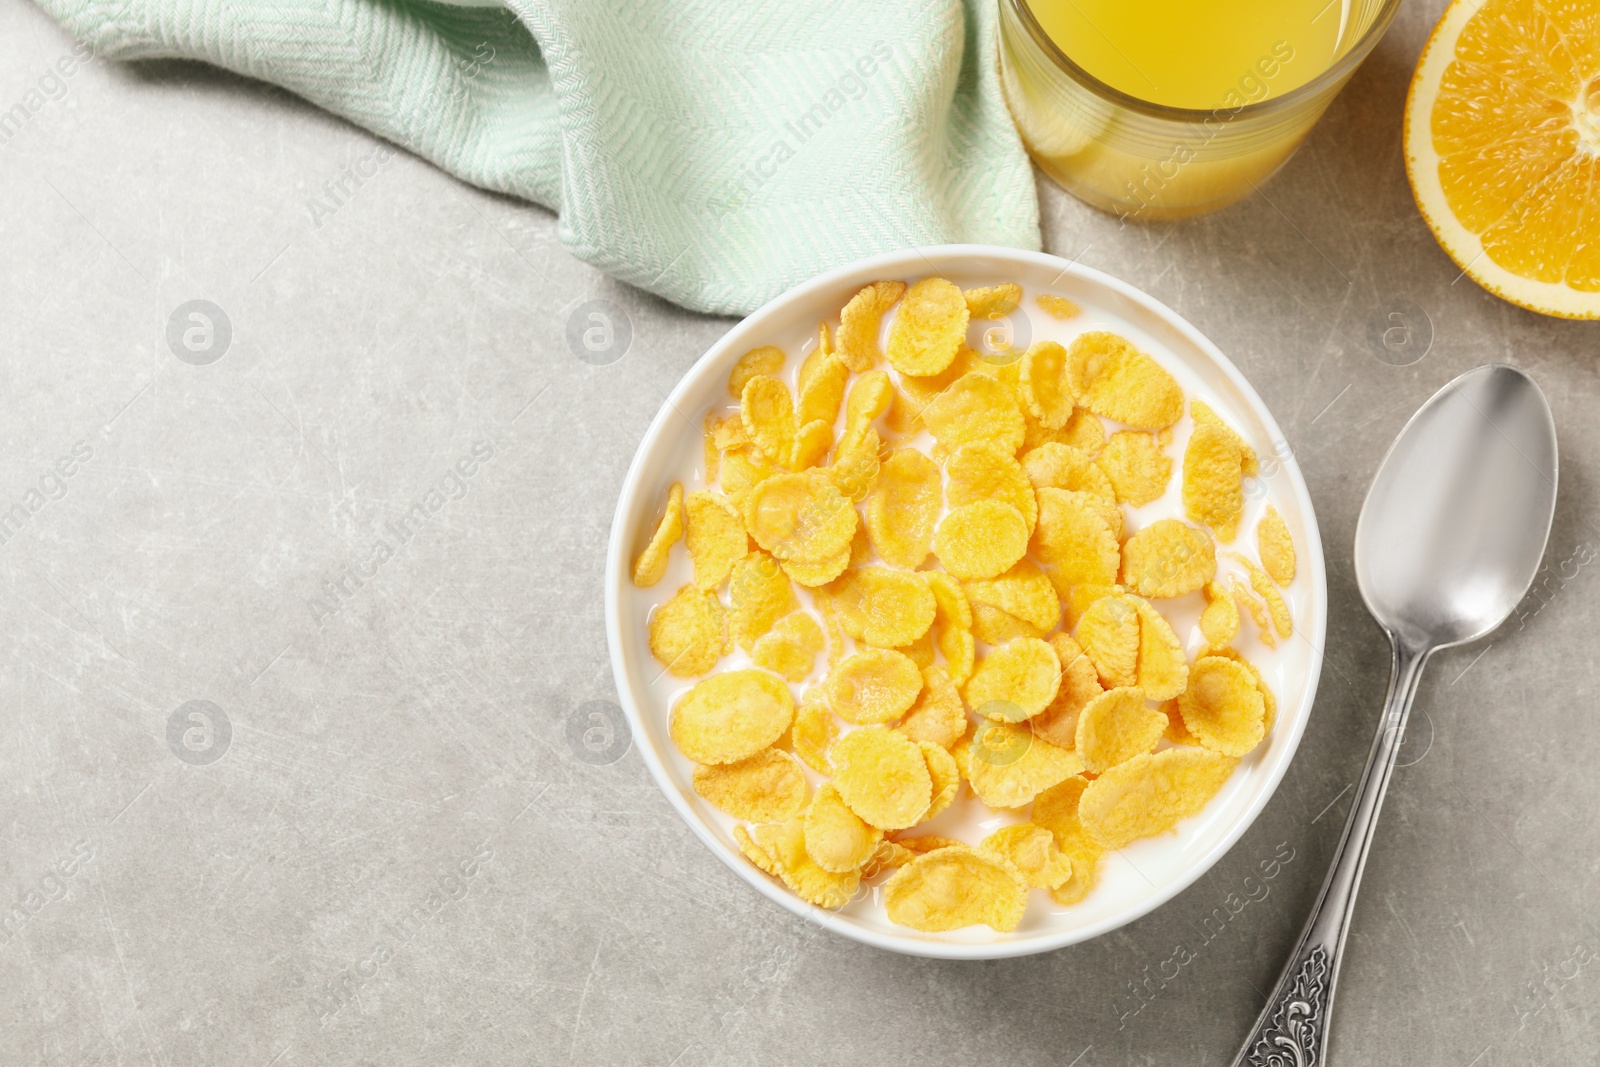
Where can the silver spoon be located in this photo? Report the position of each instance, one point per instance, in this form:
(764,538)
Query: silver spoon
(1449,539)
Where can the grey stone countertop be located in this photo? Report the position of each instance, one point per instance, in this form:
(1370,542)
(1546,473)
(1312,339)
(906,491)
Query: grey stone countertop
(410,751)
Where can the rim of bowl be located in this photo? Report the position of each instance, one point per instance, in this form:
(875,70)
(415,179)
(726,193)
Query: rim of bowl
(916,262)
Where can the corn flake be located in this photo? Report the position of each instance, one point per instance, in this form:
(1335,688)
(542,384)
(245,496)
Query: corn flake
(923,844)
(688,633)
(1077,599)
(981,539)
(919,651)
(1056,809)
(710,452)
(1015,681)
(767,411)
(1168,558)
(1023,592)
(830,626)
(1275,546)
(953,608)
(917,392)
(1150,794)
(714,536)
(883,607)
(1083,431)
(869,398)
(1176,732)
(836,839)
(856,463)
(1163,668)
(813,731)
(1258,610)
(860,322)
(874,685)
(1116,726)
(903,508)
(651,566)
(882,776)
(1008,766)
(1136,466)
(1109,635)
(887,856)
(1269,701)
(1056,466)
(811,443)
(1203,415)
(1077,888)
(938,715)
(952,625)
(820,403)
(979,470)
(741,472)
(1113,379)
(1032,850)
(953,887)
(790,647)
(760,594)
(1277,609)
(731,716)
(1219,622)
(1213,479)
(861,552)
(1042,384)
(946,777)
(728,433)
(995,626)
(1057,307)
(812,575)
(1222,706)
(801,517)
(820,386)
(784,845)
(1072,538)
(975,407)
(993,301)
(928,329)
(754,852)
(1080,683)
(767,787)
(768,360)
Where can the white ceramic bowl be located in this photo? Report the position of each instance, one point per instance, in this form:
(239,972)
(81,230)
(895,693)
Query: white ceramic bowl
(1134,880)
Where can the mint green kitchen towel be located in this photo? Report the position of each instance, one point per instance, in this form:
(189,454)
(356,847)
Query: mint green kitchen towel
(714,152)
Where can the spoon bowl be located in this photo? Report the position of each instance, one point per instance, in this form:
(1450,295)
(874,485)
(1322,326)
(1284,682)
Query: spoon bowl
(1455,524)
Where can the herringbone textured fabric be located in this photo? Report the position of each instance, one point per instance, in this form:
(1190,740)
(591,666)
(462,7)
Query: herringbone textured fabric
(714,152)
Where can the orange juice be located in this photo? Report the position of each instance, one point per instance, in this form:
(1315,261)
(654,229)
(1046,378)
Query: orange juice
(1195,53)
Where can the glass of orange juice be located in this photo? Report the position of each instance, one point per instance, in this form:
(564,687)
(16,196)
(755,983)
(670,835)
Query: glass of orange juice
(1157,109)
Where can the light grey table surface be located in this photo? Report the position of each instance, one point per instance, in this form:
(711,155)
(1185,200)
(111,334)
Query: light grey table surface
(252,911)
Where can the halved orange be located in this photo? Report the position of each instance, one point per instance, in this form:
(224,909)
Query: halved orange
(1502,146)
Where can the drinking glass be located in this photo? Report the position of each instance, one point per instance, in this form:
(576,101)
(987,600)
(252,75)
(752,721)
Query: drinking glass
(1143,160)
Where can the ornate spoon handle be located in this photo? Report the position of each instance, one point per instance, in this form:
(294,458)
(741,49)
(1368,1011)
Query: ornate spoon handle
(1292,1030)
